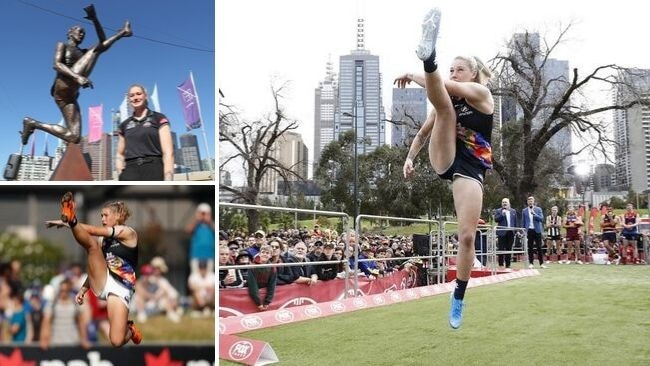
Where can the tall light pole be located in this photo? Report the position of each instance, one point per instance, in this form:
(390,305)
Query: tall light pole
(356,168)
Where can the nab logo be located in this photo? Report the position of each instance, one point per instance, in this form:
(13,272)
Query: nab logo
(312,311)
(240,350)
(411,294)
(337,307)
(251,322)
(284,316)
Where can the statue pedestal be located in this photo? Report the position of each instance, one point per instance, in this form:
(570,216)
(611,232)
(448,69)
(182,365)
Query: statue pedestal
(73,165)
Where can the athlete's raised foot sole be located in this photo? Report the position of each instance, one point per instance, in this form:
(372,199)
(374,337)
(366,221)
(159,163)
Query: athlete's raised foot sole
(430,27)
(67,207)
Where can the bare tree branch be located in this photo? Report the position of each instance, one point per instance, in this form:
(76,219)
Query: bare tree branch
(256,144)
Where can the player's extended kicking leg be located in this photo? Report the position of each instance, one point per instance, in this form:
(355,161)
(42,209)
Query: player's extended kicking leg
(121,329)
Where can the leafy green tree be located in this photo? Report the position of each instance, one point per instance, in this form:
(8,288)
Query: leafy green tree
(617,203)
(382,187)
(40,259)
(335,173)
(323,222)
(393,195)
(286,221)
(239,222)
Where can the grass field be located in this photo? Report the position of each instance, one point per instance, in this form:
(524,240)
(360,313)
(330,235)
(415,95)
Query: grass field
(188,329)
(160,329)
(569,315)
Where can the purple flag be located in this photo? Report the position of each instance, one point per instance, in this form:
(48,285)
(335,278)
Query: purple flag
(189,100)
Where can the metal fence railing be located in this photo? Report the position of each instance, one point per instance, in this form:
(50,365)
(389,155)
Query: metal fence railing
(435,251)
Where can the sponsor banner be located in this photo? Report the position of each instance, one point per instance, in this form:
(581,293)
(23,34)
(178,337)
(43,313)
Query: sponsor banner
(144,355)
(189,101)
(237,302)
(247,322)
(246,351)
(95,122)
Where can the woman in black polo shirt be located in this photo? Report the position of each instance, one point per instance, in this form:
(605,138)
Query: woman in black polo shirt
(144,150)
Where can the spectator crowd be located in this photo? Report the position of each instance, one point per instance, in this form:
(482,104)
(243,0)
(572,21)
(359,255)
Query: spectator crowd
(560,236)
(379,255)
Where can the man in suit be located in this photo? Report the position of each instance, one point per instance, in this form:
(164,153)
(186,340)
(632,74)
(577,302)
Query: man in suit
(532,219)
(505,217)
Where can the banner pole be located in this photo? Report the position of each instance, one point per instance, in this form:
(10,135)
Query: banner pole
(205,139)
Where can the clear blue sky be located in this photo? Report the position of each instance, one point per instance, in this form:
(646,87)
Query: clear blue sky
(29,36)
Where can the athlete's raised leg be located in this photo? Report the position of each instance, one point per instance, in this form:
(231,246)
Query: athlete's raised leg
(442,144)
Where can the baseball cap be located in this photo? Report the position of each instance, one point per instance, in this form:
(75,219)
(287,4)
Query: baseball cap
(146,270)
(204,207)
(328,245)
(260,232)
(223,235)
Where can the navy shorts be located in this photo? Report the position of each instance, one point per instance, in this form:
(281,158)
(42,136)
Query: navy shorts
(610,237)
(630,236)
(554,237)
(464,168)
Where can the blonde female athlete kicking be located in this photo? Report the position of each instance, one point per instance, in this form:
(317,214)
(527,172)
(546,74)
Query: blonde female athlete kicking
(459,132)
(111,263)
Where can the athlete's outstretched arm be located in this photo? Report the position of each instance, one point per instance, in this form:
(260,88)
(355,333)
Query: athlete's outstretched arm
(418,141)
(120,232)
(472,92)
(403,80)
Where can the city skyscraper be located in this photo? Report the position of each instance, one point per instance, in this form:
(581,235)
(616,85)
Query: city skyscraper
(190,151)
(556,70)
(359,96)
(35,168)
(116,119)
(410,109)
(632,134)
(293,154)
(290,152)
(178,154)
(325,102)
(101,156)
